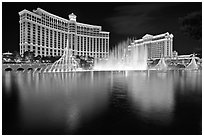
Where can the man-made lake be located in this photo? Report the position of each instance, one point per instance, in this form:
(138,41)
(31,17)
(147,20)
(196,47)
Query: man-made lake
(98,103)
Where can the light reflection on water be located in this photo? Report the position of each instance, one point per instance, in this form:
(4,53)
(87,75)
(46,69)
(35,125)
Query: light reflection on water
(71,103)
(155,104)
(7,78)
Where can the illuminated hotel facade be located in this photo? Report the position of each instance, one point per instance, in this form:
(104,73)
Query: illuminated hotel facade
(47,35)
(157,46)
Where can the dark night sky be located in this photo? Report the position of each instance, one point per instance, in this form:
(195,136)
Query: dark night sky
(122,20)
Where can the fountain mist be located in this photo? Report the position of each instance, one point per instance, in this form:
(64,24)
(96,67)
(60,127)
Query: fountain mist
(125,56)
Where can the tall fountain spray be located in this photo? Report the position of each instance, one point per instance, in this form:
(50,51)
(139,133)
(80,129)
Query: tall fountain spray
(66,63)
(125,56)
(192,65)
(161,65)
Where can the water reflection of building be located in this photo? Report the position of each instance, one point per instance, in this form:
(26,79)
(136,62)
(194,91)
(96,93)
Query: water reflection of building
(46,34)
(58,99)
(7,80)
(158,46)
(190,81)
(152,96)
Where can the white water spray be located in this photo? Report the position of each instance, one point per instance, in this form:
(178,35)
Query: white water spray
(125,56)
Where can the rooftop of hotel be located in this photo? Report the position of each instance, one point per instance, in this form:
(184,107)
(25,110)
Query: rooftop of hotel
(151,37)
(72,17)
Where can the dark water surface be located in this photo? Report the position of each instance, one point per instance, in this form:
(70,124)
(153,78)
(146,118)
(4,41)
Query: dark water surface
(102,103)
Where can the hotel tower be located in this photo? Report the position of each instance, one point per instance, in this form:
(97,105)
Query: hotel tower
(47,34)
(157,46)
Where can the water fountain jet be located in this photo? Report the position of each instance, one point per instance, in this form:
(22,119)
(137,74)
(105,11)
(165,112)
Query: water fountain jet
(66,63)
(192,65)
(126,56)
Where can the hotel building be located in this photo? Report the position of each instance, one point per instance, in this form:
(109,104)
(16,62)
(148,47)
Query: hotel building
(157,46)
(47,35)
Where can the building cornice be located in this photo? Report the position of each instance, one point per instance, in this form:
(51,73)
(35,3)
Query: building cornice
(149,37)
(88,25)
(104,32)
(27,11)
(41,10)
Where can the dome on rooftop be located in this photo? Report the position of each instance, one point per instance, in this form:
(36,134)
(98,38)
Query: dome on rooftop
(72,16)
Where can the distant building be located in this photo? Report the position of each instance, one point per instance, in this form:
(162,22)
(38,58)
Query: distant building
(7,54)
(158,46)
(175,54)
(46,34)
(7,57)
